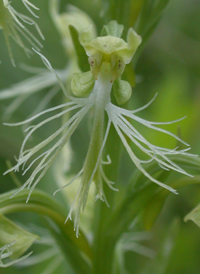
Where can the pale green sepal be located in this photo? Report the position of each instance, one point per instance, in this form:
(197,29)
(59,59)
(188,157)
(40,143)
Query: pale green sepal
(110,44)
(10,232)
(75,17)
(106,44)
(86,35)
(134,40)
(122,91)
(82,83)
(113,29)
(194,216)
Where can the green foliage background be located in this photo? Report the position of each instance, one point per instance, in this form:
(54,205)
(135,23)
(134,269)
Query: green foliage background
(169,65)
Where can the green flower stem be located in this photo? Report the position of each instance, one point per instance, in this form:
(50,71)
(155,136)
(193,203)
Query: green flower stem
(43,204)
(103,214)
(102,211)
(97,130)
(102,88)
(92,164)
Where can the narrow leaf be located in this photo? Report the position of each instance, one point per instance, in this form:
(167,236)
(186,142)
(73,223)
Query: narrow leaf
(194,216)
(80,52)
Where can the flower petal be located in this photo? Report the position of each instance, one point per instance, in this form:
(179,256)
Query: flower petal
(110,44)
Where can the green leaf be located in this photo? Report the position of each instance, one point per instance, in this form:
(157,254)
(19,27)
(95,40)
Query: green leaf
(194,216)
(119,222)
(139,180)
(148,21)
(74,257)
(80,52)
(145,39)
(161,262)
(155,206)
(10,232)
(124,13)
(139,196)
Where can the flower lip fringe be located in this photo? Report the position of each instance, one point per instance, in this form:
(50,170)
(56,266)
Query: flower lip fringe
(13,24)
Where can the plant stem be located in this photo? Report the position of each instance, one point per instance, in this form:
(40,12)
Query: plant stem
(102,211)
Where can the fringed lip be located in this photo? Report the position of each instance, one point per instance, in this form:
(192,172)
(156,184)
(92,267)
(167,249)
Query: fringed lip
(14,25)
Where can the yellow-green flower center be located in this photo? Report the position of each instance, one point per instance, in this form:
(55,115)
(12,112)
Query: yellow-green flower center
(111,50)
(114,62)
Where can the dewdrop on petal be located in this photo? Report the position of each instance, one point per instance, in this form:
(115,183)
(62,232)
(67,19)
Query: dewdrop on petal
(13,25)
(108,56)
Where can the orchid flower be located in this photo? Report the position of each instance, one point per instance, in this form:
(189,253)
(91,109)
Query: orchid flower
(13,24)
(108,56)
(20,92)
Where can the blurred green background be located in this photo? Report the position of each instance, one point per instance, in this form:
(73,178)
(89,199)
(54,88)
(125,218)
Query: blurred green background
(169,65)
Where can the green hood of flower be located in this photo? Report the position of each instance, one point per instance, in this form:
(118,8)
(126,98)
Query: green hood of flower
(75,17)
(111,45)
